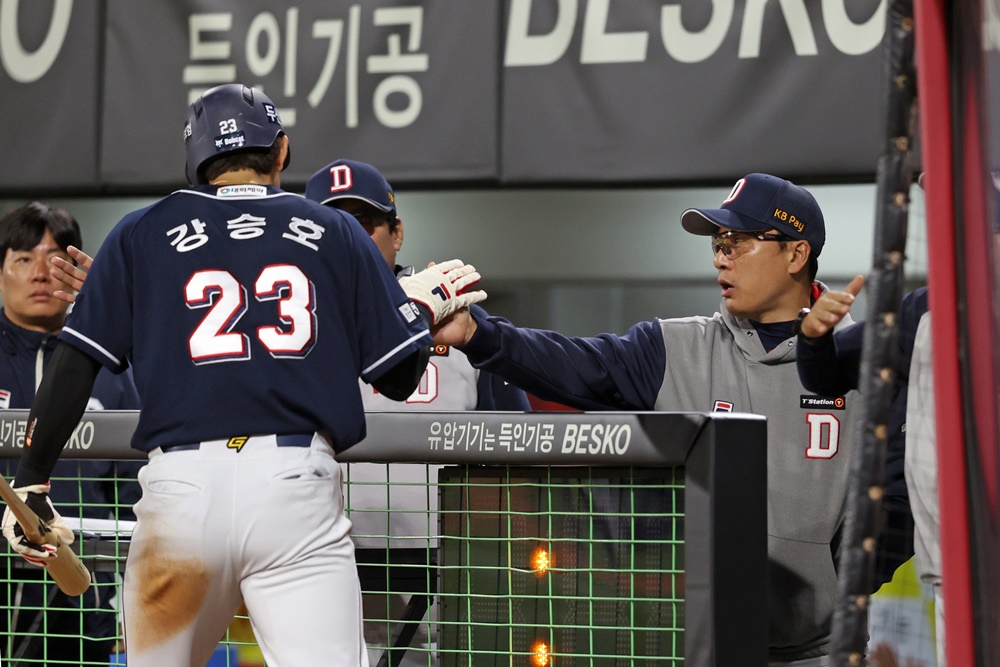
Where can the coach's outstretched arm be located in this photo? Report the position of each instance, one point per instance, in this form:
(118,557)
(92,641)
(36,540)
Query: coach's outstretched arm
(830,309)
(456,330)
(828,365)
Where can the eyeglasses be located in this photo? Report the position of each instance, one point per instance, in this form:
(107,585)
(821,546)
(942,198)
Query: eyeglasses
(733,244)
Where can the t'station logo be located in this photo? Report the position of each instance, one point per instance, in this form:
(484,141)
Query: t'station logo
(807,402)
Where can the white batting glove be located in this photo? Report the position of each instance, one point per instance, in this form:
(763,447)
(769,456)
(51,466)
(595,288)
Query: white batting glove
(441,288)
(36,496)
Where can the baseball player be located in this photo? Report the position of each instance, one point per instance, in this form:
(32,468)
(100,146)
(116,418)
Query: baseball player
(765,239)
(30,320)
(449,383)
(247,314)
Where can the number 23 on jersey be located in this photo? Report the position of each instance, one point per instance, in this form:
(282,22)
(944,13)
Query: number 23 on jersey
(217,337)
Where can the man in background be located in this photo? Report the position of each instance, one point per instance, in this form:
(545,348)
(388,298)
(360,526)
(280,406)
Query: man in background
(406,510)
(75,630)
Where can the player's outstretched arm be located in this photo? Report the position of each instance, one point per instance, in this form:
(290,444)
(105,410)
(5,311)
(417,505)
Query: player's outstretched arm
(400,381)
(830,309)
(73,276)
(442,289)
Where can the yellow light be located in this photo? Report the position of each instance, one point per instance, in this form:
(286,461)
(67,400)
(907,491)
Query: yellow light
(541,561)
(540,654)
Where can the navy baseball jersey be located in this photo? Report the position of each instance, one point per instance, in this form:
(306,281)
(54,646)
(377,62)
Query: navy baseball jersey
(247,288)
(451,383)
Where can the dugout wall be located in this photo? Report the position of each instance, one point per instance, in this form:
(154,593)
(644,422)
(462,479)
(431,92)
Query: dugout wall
(654,526)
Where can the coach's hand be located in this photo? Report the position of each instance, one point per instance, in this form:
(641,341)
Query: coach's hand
(36,497)
(455,330)
(830,309)
(441,288)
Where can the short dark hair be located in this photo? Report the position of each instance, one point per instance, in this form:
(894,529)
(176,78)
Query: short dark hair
(260,161)
(23,228)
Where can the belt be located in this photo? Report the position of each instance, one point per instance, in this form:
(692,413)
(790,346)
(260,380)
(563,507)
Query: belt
(237,442)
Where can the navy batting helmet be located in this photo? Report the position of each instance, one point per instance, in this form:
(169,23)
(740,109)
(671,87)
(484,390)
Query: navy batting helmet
(231,118)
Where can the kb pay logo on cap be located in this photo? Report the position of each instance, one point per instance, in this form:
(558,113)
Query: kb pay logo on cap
(790,218)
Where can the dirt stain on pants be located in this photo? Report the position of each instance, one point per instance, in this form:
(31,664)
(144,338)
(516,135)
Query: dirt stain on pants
(170,592)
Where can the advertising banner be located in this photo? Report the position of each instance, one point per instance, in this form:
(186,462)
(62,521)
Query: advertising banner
(690,90)
(49,91)
(411,87)
(511,92)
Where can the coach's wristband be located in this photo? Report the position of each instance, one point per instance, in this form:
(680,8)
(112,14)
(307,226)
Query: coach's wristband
(808,340)
(797,324)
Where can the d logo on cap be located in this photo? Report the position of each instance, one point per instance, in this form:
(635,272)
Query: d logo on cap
(735,192)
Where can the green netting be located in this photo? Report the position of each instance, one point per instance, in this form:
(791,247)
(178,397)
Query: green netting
(611,591)
(41,626)
(470,566)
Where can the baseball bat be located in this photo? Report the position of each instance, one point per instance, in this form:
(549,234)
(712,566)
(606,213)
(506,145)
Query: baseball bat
(72,576)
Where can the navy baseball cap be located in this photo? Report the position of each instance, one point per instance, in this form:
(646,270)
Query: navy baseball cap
(759,202)
(350,179)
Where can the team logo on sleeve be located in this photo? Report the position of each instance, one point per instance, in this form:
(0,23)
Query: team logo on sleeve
(439,350)
(723,406)
(822,403)
(409,311)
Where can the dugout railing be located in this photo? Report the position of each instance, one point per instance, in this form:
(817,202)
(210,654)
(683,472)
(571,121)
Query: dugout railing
(553,539)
